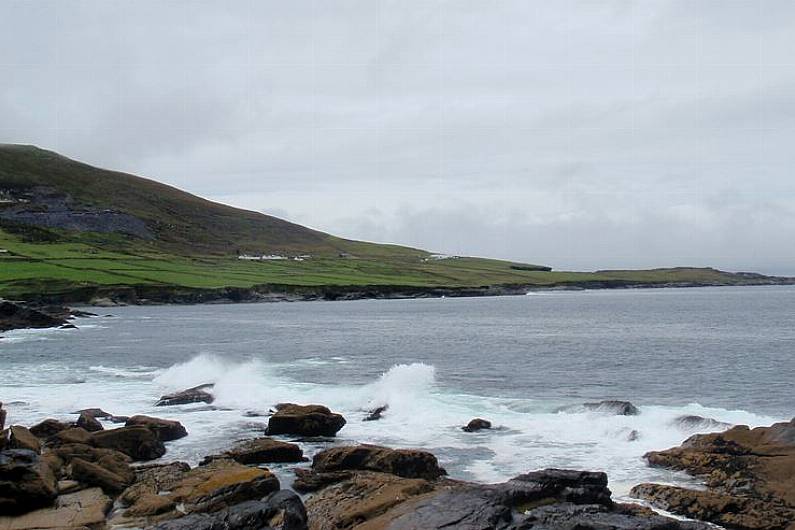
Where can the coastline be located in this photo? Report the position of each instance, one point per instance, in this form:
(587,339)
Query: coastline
(48,310)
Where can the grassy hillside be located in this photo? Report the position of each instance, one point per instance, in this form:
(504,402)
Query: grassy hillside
(185,242)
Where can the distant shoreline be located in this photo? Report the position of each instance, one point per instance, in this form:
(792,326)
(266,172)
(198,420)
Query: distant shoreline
(50,310)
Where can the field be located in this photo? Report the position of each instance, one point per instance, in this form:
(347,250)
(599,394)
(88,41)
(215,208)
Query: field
(29,269)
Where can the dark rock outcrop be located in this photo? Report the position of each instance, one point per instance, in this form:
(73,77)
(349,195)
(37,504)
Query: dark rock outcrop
(478,424)
(692,423)
(70,435)
(19,437)
(20,316)
(26,482)
(81,510)
(304,420)
(165,430)
(139,443)
(282,510)
(47,428)
(89,422)
(617,408)
(196,394)
(262,451)
(407,463)
(749,474)
(542,500)
(376,414)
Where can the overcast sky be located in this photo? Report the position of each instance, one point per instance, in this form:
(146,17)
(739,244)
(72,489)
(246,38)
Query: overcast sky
(581,134)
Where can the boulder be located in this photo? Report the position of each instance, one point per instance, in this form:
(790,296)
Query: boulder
(93,466)
(699,423)
(165,430)
(307,480)
(376,414)
(749,474)
(47,428)
(197,394)
(262,451)
(19,316)
(139,443)
(21,438)
(222,483)
(215,486)
(72,435)
(282,510)
(616,408)
(407,463)
(477,424)
(26,482)
(3,415)
(94,474)
(89,423)
(82,509)
(304,420)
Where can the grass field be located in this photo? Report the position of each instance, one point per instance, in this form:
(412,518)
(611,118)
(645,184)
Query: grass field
(30,269)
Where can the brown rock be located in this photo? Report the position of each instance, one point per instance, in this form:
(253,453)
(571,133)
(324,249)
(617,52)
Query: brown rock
(730,511)
(363,497)
(150,504)
(21,438)
(89,423)
(94,474)
(304,420)
(47,428)
(307,480)
(73,435)
(154,478)
(750,475)
(262,451)
(407,463)
(26,483)
(197,394)
(85,508)
(139,443)
(165,430)
(222,483)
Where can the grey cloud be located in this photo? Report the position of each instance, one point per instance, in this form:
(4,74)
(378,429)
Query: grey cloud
(577,133)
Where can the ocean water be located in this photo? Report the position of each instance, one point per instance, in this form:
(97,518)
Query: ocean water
(723,353)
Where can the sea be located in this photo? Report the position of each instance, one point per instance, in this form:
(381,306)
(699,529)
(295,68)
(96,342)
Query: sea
(525,363)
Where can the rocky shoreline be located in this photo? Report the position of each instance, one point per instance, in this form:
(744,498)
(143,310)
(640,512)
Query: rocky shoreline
(39,307)
(96,472)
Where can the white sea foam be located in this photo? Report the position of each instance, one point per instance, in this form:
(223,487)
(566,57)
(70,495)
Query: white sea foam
(528,434)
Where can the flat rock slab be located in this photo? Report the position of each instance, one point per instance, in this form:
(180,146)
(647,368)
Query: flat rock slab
(83,508)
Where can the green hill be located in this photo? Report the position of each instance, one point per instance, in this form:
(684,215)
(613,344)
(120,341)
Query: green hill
(72,232)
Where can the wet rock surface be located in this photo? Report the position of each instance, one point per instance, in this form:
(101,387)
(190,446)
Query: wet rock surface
(138,442)
(21,316)
(282,510)
(262,451)
(550,499)
(26,482)
(407,463)
(749,474)
(618,408)
(478,424)
(196,394)
(304,420)
(164,430)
